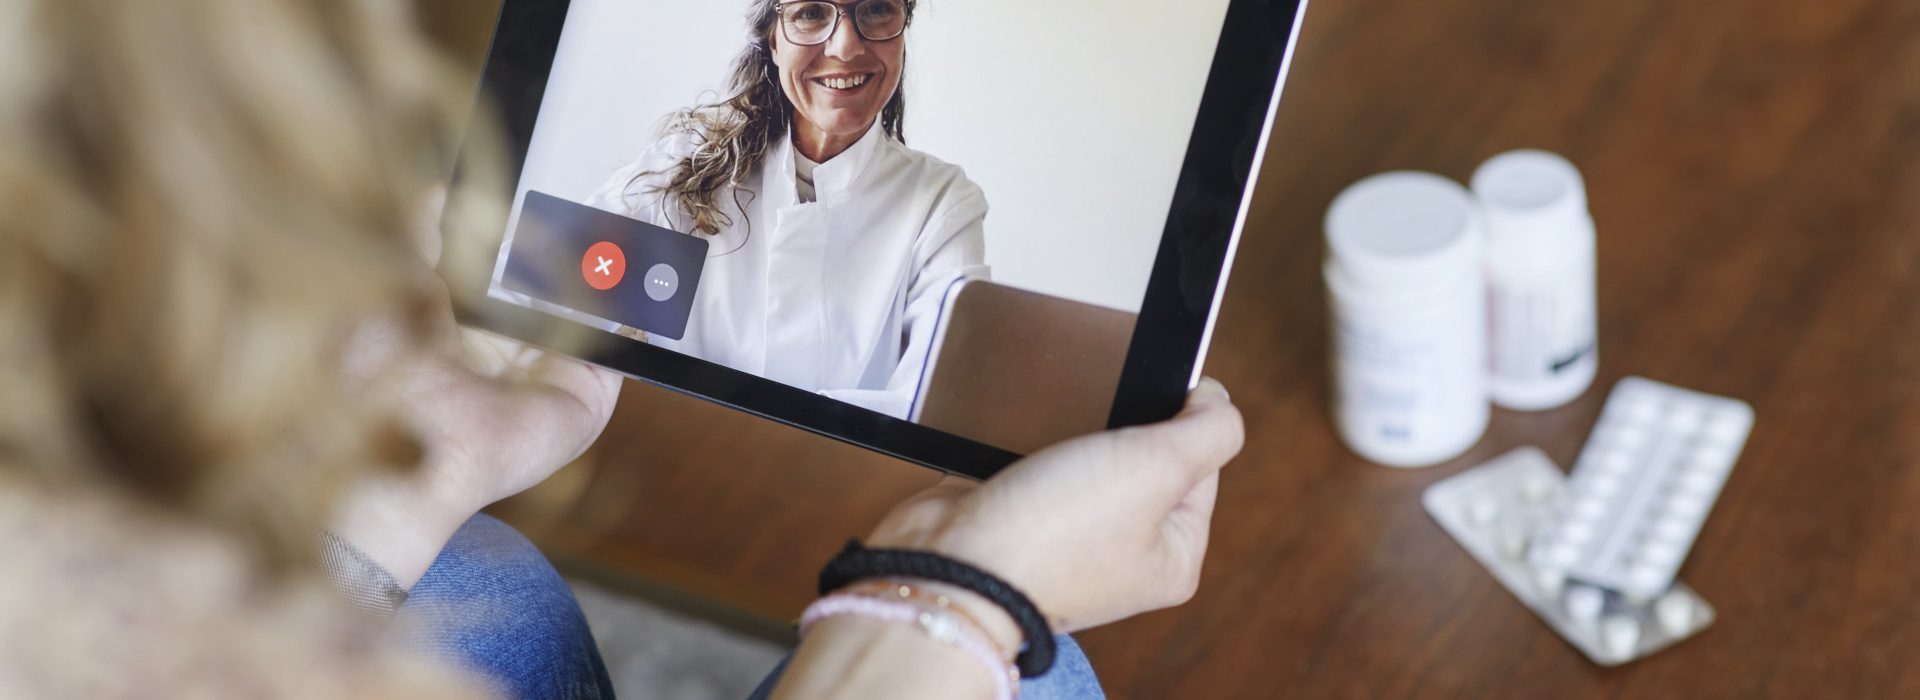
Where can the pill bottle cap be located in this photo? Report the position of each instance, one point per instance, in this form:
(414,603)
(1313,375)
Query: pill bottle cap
(1404,229)
(1531,198)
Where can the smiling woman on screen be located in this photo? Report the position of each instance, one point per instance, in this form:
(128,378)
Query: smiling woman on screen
(833,242)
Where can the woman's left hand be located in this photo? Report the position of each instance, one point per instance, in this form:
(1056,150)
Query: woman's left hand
(494,416)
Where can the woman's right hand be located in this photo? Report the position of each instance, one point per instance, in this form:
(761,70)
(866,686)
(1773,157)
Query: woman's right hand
(1095,529)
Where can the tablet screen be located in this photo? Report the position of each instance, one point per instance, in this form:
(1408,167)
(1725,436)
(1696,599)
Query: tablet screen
(789,189)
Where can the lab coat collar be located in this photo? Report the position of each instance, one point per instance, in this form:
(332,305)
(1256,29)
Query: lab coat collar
(779,180)
(839,174)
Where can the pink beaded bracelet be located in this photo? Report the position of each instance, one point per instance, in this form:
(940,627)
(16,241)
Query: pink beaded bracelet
(941,625)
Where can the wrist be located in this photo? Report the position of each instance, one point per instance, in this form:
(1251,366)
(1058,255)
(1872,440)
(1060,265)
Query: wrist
(397,523)
(1002,559)
(959,545)
(993,621)
(850,656)
(857,563)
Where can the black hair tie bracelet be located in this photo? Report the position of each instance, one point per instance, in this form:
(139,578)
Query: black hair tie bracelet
(858,563)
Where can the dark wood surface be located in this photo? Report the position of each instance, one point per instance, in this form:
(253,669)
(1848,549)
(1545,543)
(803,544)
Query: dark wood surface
(1755,171)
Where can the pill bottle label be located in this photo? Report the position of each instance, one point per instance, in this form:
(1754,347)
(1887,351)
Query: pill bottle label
(1409,384)
(1383,390)
(1543,331)
(1543,348)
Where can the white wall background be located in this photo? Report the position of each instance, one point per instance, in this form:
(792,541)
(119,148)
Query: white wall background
(1072,115)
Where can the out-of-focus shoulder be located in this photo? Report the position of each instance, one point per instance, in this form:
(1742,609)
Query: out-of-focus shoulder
(141,597)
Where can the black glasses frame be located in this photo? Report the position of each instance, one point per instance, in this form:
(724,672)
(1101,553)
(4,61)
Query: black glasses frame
(841,11)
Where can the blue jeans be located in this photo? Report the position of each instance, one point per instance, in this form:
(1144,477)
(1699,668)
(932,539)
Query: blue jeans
(493,604)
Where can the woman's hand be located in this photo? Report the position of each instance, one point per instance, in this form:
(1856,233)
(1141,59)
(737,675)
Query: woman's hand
(495,417)
(1093,530)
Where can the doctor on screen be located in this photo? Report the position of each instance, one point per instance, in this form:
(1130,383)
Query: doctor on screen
(832,242)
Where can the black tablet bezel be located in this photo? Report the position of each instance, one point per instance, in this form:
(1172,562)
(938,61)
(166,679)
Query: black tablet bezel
(1209,205)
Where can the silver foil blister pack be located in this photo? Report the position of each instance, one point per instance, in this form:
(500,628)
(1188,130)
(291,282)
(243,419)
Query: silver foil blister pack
(1643,486)
(1496,510)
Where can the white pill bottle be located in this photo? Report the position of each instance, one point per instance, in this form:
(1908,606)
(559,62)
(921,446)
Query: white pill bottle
(1541,316)
(1407,295)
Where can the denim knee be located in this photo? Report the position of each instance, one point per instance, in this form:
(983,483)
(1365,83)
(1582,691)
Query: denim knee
(494,604)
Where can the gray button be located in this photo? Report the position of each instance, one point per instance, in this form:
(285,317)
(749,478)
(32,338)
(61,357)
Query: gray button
(662,281)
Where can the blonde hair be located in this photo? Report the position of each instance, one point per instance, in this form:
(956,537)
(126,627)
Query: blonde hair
(199,199)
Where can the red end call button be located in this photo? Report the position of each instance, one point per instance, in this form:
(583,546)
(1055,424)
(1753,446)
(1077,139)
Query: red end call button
(603,265)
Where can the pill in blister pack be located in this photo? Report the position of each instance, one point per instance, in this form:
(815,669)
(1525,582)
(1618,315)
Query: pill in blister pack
(1651,471)
(1493,510)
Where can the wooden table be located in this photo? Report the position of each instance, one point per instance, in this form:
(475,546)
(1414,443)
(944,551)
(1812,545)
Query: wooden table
(1755,171)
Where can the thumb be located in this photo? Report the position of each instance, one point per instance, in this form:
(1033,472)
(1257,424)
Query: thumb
(1192,445)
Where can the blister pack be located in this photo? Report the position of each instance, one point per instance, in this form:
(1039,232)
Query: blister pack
(1643,486)
(1495,509)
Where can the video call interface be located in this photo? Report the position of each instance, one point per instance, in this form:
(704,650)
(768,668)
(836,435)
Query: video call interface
(792,189)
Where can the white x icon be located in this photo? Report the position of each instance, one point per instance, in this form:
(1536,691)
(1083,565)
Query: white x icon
(605,267)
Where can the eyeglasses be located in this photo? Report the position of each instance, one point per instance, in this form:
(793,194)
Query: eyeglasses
(813,23)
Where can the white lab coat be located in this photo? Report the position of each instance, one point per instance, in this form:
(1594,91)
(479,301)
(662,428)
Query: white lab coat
(837,296)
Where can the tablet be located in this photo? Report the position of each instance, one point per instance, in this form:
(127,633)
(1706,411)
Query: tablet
(765,204)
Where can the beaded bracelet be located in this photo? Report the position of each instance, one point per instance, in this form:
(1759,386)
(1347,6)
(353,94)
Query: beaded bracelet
(916,591)
(856,562)
(940,625)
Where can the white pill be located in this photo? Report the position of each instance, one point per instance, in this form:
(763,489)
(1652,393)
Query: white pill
(1699,481)
(1513,544)
(1549,581)
(1482,511)
(1675,611)
(1621,635)
(1577,532)
(1536,489)
(1627,437)
(1651,577)
(1602,484)
(1563,554)
(1673,527)
(1639,407)
(1584,603)
(1684,419)
(1622,560)
(1661,552)
(1590,508)
(1692,506)
(1615,460)
(1711,457)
